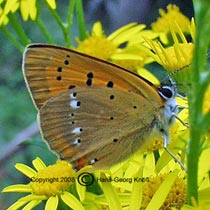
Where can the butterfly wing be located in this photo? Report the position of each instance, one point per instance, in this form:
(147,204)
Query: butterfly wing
(99,126)
(51,70)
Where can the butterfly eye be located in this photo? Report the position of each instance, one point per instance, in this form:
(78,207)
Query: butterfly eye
(166,92)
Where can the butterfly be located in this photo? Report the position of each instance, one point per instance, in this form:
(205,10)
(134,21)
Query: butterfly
(91,111)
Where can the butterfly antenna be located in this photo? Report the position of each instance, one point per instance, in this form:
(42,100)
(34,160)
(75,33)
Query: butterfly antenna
(180,69)
(171,154)
(181,96)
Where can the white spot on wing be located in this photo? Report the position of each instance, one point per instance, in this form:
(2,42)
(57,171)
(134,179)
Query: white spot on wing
(77,141)
(72,96)
(74,104)
(92,161)
(77,130)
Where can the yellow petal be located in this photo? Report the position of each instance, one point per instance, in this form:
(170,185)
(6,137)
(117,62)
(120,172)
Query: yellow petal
(52,3)
(33,197)
(81,190)
(31,204)
(149,165)
(29,172)
(17,205)
(71,201)
(136,195)
(163,190)
(148,76)
(38,164)
(126,56)
(24,10)
(127,34)
(120,30)
(204,166)
(110,194)
(18,188)
(32,9)
(52,203)
(10,5)
(97,29)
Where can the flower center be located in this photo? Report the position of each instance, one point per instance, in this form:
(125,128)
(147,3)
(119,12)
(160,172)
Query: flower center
(176,197)
(53,180)
(97,46)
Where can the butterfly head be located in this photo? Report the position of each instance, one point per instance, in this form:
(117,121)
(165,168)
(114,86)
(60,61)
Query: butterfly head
(168,92)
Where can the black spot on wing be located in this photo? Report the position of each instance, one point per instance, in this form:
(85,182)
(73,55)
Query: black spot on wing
(66,62)
(59,78)
(89,82)
(78,103)
(111,97)
(59,69)
(72,86)
(115,140)
(110,84)
(90,75)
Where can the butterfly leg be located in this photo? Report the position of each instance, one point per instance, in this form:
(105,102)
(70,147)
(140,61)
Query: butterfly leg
(181,121)
(166,141)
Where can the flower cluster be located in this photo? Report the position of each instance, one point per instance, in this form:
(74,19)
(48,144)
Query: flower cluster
(27,8)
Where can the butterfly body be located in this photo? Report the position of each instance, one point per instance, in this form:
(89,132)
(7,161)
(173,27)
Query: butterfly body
(90,111)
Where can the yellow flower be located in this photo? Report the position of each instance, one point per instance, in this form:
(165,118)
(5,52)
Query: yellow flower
(135,184)
(165,23)
(160,189)
(175,198)
(203,182)
(110,47)
(177,56)
(47,184)
(27,8)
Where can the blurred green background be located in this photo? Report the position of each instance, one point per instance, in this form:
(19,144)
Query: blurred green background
(17,113)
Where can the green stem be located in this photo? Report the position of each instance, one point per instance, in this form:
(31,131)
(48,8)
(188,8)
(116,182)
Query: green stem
(81,19)
(44,30)
(70,20)
(202,16)
(19,29)
(12,38)
(60,24)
